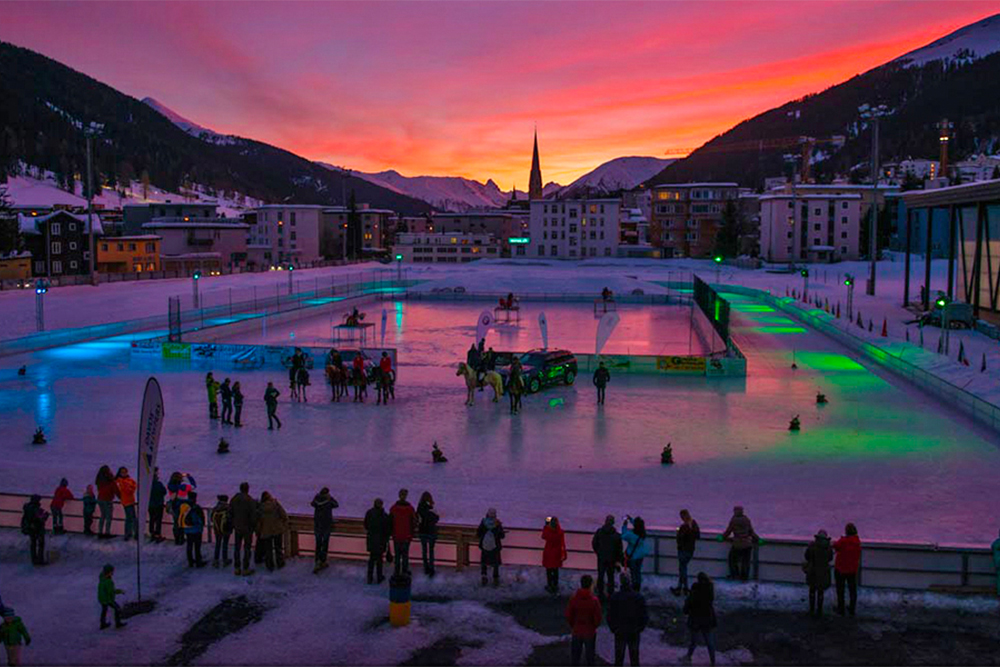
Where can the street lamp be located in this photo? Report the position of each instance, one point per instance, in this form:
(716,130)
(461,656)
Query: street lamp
(849,282)
(195,277)
(399,267)
(943,302)
(41,287)
(873,114)
(718,265)
(805,284)
(291,267)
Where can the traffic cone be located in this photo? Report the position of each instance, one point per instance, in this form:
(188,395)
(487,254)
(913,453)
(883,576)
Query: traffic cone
(885,328)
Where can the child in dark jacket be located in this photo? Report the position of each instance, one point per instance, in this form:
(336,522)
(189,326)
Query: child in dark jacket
(89,507)
(106,593)
(223,528)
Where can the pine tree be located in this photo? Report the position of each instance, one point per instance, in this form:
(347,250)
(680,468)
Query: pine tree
(727,240)
(9,234)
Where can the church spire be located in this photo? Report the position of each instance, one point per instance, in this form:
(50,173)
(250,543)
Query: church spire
(535,181)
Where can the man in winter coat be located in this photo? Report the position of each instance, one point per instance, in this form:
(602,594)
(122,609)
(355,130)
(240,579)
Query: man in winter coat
(607,545)
(222,527)
(227,402)
(700,610)
(583,613)
(427,530)
(243,518)
(404,525)
(490,534)
(472,358)
(995,549)
(323,505)
(212,387)
(106,593)
(377,529)
(688,535)
(271,401)
(601,379)
(238,404)
(743,539)
(272,524)
(193,520)
(126,491)
(845,567)
(12,634)
(157,500)
(818,555)
(627,618)
(59,498)
(33,520)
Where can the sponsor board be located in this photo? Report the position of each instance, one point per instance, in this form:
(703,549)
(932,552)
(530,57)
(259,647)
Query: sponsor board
(692,365)
(176,350)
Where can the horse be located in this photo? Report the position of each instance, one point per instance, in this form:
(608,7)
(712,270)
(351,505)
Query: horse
(491,378)
(336,375)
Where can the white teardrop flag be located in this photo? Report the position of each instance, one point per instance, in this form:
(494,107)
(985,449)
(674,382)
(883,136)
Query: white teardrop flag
(604,328)
(484,324)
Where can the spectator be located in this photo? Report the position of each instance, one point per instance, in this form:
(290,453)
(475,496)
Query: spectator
(243,517)
(627,618)
(12,633)
(638,548)
(700,610)
(845,567)
(688,535)
(59,498)
(106,593)
(212,387)
(554,554)
(377,530)
(126,491)
(817,569)
(33,520)
(601,378)
(404,525)
(180,485)
(323,505)
(157,499)
(743,538)
(107,489)
(272,524)
(583,613)
(222,526)
(271,401)
(995,548)
(490,533)
(238,404)
(607,545)
(193,520)
(427,529)
(89,506)
(227,402)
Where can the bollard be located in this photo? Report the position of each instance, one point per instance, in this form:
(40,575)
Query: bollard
(399,600)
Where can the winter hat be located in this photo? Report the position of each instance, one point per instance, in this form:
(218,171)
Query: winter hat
(222,496)
(492,513)
(7,612)
(64,482)
(35,498)
(822,534)
(108,568)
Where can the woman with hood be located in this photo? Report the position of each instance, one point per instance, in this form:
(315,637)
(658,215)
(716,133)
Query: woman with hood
(818,555)
(107,489)
(554,554)
(272,524)
(490,534)
(637,549)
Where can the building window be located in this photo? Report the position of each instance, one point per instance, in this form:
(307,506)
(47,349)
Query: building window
(843,250)
(816,228)
(292,214)
(56,248)
(73,264)
(843,235)
(554,251)
(39,267)
(843,204)
(72,245)
(843,220)
(57,266)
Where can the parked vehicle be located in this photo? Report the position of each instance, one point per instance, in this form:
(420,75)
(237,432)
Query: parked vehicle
(541,368)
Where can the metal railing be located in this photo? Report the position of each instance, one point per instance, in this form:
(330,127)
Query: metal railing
(895,565)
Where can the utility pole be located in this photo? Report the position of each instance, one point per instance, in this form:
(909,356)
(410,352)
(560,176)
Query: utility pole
(944,136)
(873,114)
(91,129)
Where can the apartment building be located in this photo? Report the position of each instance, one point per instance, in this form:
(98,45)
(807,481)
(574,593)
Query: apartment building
(202,245)
(285,234)
(377,225)
(128,254)
(59,242)
(810,228)
(686,217)
(574,228)
(439,247)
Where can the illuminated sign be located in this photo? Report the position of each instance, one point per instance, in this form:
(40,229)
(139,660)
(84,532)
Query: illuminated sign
(519,240)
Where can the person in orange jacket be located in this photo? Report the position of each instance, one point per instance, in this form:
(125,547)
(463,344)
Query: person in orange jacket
(583,613)
(554,554)
(59,498)
(126,491)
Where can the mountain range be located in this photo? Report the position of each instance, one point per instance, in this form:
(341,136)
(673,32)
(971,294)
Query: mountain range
(956,77)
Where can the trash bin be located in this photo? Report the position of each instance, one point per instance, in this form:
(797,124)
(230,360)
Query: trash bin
(399,600)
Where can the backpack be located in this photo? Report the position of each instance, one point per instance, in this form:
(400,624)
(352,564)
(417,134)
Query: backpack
(489,541)
(182,515)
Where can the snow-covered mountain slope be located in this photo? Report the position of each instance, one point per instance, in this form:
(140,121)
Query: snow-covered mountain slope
(975,40)
(189,126)
(622,173)
(450,193)
(34,187)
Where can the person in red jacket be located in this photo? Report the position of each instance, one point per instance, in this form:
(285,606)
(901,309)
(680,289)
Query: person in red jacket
(845,567)
(107,489)
(59,498)
(404,525)
(554,554)
(583,613)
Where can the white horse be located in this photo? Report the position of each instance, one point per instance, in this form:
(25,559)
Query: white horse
(491,378)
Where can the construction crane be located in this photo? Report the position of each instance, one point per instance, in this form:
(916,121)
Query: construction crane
(805,144)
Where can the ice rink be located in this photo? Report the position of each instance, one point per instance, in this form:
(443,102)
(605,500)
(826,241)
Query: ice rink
(880,454)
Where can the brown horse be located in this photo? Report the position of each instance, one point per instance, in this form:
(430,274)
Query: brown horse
(337,377)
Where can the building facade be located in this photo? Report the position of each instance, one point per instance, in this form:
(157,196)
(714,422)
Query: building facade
(575,228)
(200,245)
(686,217)
(810,228)
(134,216)
(59,242)
(282,235)
(128,254)
(437,247)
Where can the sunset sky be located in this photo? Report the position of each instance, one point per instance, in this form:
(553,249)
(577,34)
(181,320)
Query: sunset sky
(455,88)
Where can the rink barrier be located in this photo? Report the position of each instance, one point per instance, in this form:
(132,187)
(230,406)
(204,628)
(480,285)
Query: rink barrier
(888,565)
(980,410)
(339,287)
